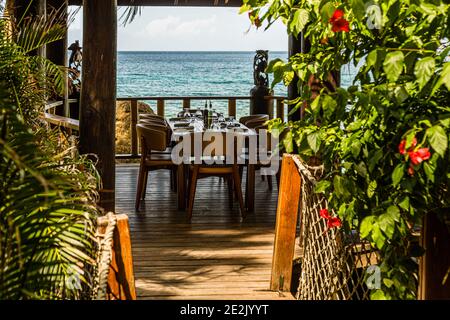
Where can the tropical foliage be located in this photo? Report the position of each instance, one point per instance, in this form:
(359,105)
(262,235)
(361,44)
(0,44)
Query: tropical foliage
(48,248)
(384,139)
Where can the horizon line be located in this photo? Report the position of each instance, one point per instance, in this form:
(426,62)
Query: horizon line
(198,51)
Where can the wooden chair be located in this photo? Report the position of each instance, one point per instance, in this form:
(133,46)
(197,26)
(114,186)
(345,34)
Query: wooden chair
(253,117)
(260,129)
(254,123)
(203,170)
(150,116)
(153,138)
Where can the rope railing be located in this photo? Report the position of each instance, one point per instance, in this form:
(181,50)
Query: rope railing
(334,261)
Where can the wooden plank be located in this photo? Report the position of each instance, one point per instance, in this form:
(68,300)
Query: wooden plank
(215,257)
(133,123)
(98,94)
(232,107)
(286,225)
(160,107)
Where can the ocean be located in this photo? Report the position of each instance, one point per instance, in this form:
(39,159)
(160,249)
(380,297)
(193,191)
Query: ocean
(191,74)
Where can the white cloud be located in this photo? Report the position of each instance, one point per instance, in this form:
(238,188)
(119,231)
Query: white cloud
(174,26)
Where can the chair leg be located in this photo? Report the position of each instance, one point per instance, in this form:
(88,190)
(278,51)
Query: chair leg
(144,187)
(269,182)
(230,191)
(192,187)
(171,180)
(238,190)
(139,187)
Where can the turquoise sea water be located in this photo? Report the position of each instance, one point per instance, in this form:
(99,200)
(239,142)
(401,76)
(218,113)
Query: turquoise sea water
(190,74)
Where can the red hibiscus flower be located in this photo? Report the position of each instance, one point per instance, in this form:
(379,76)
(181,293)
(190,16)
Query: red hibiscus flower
(401,146)
(325,214)
(420,155)
(332,222)
(338,22)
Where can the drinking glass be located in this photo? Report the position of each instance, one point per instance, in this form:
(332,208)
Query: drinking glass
(186,113)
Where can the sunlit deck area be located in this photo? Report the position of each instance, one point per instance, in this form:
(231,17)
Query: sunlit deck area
(215,256)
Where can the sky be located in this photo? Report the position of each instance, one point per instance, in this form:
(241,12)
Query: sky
(192,29)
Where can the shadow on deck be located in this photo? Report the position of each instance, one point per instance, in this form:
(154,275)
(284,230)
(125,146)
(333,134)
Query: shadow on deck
(216,256)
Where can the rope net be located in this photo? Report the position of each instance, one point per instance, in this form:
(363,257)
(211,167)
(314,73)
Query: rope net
(335,262)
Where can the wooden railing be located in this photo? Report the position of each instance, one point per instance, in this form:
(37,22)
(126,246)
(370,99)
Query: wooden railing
(70,125)
(278,112)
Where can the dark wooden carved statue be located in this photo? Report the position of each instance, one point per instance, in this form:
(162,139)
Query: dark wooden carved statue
(74,75)
(259,104)
(75,61)
(259,68)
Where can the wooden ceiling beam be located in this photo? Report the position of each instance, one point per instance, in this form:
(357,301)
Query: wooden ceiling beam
(171,3)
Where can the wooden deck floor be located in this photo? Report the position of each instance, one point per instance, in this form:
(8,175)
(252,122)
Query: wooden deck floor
(216,256)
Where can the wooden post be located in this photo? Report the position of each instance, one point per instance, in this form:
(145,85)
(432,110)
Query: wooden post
(232,107)
(280,109)
(294,47)
(133,122)
(121,284)
(286,225)
(186,103)
(435,264)
(98,93)
(160,106)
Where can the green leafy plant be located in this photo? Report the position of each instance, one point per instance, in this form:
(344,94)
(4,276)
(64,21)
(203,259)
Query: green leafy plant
(48,248)
(384,139)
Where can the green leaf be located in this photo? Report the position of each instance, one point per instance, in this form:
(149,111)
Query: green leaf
(429,171)
(371,58)
(371,188)
(445,75)
(393,65)
(288,142)
(424,70)
(378,295)
(314,141)
(398,173)
(359,8)
(362,169)
(366,226)
(393,212)
(340,186)
(322,186)
(404,203)
(299,19)
(326,12)
(438,139)
(328,105)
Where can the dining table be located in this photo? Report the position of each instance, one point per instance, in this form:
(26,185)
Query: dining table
(181,126)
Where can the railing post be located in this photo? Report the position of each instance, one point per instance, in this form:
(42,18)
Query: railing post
(186,103)
(121,284)
(232,107)
(286,225)
(280,109)
(160,107)
(134,120)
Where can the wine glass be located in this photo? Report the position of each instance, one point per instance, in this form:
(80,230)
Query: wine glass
(186,113)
